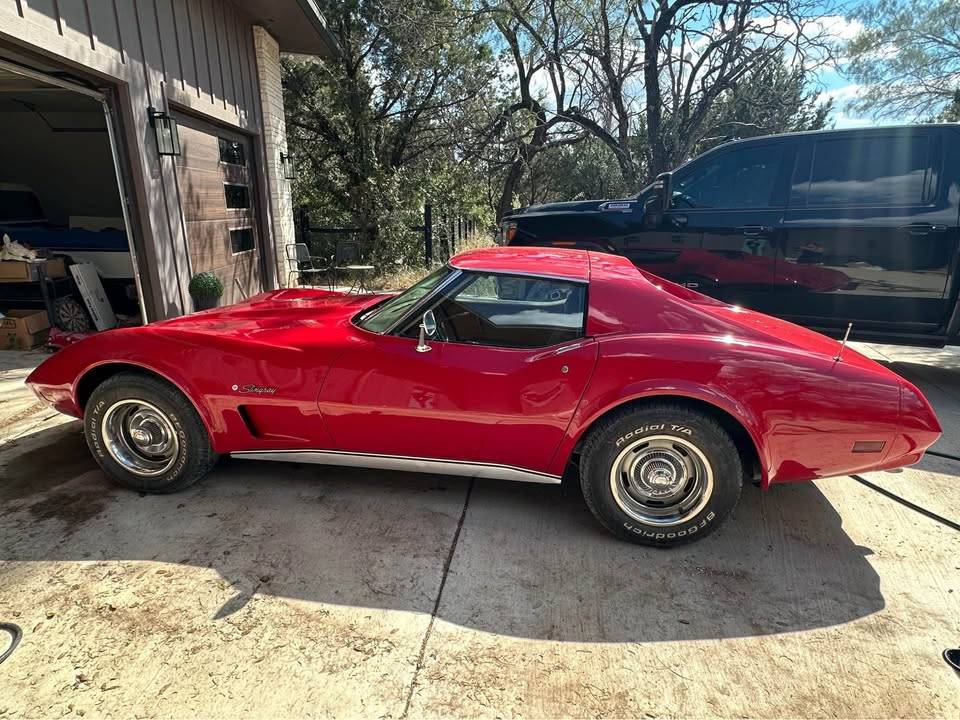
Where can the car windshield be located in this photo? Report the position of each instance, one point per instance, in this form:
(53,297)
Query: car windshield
(384,316)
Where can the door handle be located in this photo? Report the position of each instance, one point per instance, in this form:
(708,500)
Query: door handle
(754,230)
(922,228)
(560,350)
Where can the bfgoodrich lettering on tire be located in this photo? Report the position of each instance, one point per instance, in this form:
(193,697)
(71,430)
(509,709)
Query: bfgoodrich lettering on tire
(660,474)
(146,435)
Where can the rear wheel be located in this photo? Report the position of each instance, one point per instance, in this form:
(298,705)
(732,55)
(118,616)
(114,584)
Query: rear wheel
(661,474)
(146,435)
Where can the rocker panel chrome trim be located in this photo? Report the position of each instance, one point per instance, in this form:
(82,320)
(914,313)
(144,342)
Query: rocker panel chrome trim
(488,471)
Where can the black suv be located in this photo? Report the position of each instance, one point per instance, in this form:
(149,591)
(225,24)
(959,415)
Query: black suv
(821,228)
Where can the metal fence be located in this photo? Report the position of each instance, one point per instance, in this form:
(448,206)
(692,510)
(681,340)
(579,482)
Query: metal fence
(440,234)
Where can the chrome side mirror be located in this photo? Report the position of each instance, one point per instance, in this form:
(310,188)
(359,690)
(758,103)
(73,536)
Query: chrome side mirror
(428,328)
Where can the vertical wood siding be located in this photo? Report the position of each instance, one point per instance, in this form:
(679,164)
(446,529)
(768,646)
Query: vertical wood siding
(194,56)
(201,47)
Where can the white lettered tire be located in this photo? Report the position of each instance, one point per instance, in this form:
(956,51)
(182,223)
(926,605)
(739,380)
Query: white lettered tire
(660,474)
(146,435)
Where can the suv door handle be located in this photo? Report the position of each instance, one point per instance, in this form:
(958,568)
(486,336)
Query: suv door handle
(922,228)
(755,230)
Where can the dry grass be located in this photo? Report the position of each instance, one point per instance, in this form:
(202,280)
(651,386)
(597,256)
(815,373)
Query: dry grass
(402,277)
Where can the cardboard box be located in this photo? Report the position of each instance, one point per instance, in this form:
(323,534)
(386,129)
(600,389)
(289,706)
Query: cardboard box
(18,271)
(23,329)
(56,268)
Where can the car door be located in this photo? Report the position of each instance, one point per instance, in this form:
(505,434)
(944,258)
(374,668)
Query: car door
(498,383)
(870,234)
(719,237)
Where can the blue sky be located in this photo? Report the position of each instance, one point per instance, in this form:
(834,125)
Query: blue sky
(840,88)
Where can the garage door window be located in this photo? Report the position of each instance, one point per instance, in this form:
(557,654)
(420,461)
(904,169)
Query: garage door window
(241,240)
(237,196)
(232,152)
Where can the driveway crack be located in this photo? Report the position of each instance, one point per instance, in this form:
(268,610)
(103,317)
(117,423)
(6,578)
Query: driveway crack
(436,604)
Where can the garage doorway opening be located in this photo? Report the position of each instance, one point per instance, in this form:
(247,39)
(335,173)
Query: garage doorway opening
(62,203)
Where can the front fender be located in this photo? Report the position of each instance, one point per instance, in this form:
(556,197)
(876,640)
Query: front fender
(59,378)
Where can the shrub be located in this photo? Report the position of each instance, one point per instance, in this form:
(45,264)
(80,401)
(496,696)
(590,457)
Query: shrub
(206,285)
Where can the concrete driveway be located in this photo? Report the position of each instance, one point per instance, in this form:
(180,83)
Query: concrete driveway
(274,590)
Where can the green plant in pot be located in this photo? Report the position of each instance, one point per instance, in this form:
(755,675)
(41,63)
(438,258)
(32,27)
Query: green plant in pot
(205,289)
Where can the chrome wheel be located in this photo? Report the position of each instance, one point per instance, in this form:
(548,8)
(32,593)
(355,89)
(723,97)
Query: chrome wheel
(140,437)
(661,480)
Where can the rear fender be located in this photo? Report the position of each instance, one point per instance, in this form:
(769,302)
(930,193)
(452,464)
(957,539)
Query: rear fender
(599,401)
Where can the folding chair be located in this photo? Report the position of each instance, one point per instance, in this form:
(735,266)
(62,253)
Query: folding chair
(302,263)
(348,259)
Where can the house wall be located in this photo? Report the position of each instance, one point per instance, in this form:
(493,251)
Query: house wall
(195,56)
(279,197)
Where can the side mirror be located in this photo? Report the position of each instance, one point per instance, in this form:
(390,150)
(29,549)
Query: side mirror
(658,201)
(430,323)
(428,328)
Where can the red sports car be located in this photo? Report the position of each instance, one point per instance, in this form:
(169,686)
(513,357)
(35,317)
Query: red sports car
(510,363)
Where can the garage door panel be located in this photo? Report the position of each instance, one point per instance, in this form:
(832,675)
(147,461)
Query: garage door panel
(222,239)
(215,246)
(246,270)
(204,196)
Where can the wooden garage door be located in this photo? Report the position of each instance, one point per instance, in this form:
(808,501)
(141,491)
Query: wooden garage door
(216,176)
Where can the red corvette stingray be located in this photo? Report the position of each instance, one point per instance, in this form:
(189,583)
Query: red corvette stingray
(509,363)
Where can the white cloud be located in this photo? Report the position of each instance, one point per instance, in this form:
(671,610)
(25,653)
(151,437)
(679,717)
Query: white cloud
(843,95)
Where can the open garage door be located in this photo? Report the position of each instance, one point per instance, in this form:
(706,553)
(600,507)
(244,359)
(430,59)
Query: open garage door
(215,175)
(62,198)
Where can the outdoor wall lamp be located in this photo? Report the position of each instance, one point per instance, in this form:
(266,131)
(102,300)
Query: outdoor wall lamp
(286,162)
(165,130)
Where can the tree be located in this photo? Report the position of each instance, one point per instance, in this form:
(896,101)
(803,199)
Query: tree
(623,69)
(907,57)
(772,99)
(379,122)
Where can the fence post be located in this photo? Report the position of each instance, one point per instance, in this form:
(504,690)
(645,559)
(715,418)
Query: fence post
(428,233)
(303,224)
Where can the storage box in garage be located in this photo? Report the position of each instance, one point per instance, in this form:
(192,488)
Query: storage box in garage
(19,271)
(23,329)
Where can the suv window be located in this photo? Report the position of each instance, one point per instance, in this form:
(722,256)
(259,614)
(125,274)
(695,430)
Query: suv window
(736,179)
(869,170)
(509,311)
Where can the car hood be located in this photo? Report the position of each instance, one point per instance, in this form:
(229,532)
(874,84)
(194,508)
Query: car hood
(277,317)
(561,207)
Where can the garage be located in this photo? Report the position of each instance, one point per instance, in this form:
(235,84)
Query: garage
(146,142)
(68,259)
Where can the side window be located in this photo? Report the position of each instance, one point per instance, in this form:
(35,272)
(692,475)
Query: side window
(510,311)
(737,179)
(869,170)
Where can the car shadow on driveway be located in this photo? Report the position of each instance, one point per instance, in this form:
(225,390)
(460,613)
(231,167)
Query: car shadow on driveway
(530,561)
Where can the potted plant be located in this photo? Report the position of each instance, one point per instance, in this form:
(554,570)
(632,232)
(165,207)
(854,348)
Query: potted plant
(205,289)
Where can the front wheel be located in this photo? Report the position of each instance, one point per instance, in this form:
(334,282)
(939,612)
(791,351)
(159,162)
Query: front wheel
(661,474)
(146,435)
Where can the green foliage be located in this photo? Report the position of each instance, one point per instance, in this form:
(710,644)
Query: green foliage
(205,285)
(379,127)
(772,99)
(907,57)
